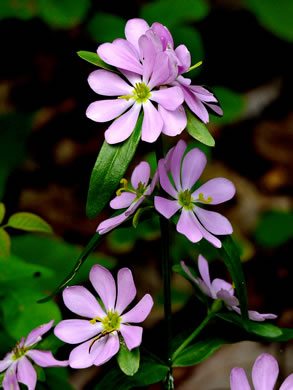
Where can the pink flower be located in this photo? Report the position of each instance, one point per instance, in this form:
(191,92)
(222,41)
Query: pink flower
(265,372)
(99,332)
(130,198)
(194,222)
(220,289)
(19,368)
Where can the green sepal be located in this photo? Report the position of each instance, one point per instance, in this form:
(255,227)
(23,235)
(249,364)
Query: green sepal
(128,361)
(94,59)
(2,212)
(109,169)
(197,129)
(139,212)
(5,244)
(28,222)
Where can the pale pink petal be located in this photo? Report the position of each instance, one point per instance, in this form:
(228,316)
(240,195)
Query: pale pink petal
(265,372)
(110,223)
(207,235)
(174,121)
(164,35)
(126,289)
(140,174)
(166,207)
(110,349)
(80,301)
(182,81)
(203,94)
(256,316)
(10,381)
(121,55)
(187,227)
(36,334)
(154,181)
(186,270)
(215,108)
(148,55)
(122,201)
(229,299)
(172,66)
(219,189)
(6,362)
(131,209)
(193,164)
(238,379)
(123,126)
(220,284)
(108,83)
(152,123)
(45,359)
(195,105)
(288,383)
(134,29)
(213,222)
(169,98)
(106,110)
(132,77)
(140,311)
(161,70)
(132,335)
(176,161)
(26,373)
(85,354)
(165,181)
(104,284)
(203,267)
(184,57)
(77,331)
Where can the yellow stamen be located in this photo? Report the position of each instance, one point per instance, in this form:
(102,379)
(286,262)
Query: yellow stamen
(194,66)
(123,188)
(203,200)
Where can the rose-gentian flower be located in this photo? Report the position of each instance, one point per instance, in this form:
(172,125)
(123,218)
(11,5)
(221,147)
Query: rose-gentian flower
(220,289)
(265,372)
(130,198)
(98,333)
(17,365)
(194,222)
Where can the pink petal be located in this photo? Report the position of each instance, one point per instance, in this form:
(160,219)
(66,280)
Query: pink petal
(122,201)
(203,94)
(36,334)
(176,161)
(10,381)
(186,270)
(215,108)
(169,98)
(174,121)
(26,373)
(172,66)
(110,223)
(203,267)
(164,35)
(104,284)
(187,226)
(255,316)
(265,372)
(184,57)
(108,83)
(161,70)
(121,55)
(165,181)
(131,209)
(220,284)
(81,357)
(148,54)
(213,222)
(132,335)
(288,383)
(141,174)
(193,164)
(123,126)
(132,77)
(154,181)
(82,302)
(6,362)
(207,235)
(219,189)
(106,110)
(126,289)
(238,379)
(229,299)
(45,359)
(77,331)
(195,105)
(140,311)
(110,349)
(166,207)
(134,29)
(152,123)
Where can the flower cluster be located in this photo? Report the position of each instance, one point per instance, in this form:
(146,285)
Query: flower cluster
(153,70)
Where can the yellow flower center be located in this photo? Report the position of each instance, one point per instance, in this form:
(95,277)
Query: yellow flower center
(110,322)
(139,192)
(140,94)
(186,201)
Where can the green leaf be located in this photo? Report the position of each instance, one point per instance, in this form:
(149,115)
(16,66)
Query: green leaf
(41,376)
(4,244)
(109,169)
(28,222)
(2,212)
(197,129)
(274,228)
(232,103)
(198,351)
(56,380)
(94,59)
(98,27)
(128,360)
(63,13)
(274,15)
(172,12)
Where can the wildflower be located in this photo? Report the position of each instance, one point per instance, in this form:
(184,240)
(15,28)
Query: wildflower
(99,332)
(264,375)
(17,365)
(130,198)
(220,289)
(194,222)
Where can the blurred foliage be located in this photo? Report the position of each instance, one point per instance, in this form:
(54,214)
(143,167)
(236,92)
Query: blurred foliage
(232,104)
(98,27)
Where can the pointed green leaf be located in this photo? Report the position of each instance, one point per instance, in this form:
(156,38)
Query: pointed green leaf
(197,129)
(2,212)
(109,169)
(94,59)
(4,244)
(29,222)
(128,360)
